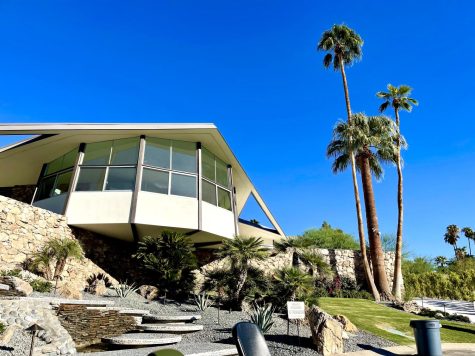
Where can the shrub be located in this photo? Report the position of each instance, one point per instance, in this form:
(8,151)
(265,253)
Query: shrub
(328,237)
(41,286)
(2,328)
(202,301)
(11,273)
(123,290)
(171,259)
(292,284)
(262,317)
(440,285)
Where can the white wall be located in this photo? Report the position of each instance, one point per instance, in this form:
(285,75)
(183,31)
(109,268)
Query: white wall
(252,231)
(99,207)
(218,221)
(167,210)
(54,204)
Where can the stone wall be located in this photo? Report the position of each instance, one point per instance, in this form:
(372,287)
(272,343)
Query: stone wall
(345,263)
(22,313)
(87,326)
(24,229)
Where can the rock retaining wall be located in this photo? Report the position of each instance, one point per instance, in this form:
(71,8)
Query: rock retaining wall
(24,313)
(88,326)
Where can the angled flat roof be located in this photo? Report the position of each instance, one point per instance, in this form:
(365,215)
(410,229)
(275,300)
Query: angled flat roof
(23,160)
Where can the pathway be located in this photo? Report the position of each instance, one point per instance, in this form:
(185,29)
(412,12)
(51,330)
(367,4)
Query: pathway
(451,306)
(448,349)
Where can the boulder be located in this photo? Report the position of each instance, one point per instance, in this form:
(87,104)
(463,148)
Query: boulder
(98,287)
(17,286)
(69,292)
(348,326)
(148,292)
(327,333)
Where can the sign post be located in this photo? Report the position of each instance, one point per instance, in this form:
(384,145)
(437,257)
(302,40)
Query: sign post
(295,311)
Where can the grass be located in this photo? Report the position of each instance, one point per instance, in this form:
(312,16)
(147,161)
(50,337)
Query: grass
(375,318)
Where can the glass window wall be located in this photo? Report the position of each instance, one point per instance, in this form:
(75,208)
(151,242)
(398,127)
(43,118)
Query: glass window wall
(215,183)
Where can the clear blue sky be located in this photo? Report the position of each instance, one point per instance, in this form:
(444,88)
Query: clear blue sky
(252,69)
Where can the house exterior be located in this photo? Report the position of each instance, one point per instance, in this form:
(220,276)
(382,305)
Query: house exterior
(126,181)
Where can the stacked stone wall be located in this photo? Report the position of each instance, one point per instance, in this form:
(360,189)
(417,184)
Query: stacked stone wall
(88,326)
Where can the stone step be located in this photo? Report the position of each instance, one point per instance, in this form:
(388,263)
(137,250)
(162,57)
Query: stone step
(187,349)
(142,339)
(4,287)
(171,318)
(165,328)
(127,311)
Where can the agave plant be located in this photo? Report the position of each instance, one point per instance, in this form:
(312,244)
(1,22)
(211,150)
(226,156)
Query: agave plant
(202,301)
(123,289)
(262,317)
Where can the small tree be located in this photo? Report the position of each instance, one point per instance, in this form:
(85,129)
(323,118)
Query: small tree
(292,283)
(170,256)
(470,235)
(441,261)
(241,251)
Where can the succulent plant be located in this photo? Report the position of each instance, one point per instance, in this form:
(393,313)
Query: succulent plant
(262,317)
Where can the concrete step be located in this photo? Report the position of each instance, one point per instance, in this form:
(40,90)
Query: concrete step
(127,311)
(143,339)
(171,318)
(166,328)
(187,349)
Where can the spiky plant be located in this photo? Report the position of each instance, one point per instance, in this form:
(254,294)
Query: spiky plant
(202,301)
(93,278)
(262,317)
(292,283)
(123,289)
(41,263)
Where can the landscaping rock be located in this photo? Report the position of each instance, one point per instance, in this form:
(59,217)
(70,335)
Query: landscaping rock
(348,326)
(148,292)
(4,287)
(17,286)
(69,292)
(327,333)
(6,336)
(409,307)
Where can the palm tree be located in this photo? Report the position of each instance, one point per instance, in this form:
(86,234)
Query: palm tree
(62,250)
(241,250)
(469,234)
(344,48)
(452,235)
(398,98)
(371,141)
(460,253)
(440,261)
(292,283)
(294,245)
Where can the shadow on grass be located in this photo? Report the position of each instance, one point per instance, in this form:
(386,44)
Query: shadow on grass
(458,328)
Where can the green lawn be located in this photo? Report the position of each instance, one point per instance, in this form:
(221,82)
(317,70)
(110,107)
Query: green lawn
(375,318)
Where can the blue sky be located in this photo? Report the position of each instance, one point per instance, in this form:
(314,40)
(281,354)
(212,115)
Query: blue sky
(252,69)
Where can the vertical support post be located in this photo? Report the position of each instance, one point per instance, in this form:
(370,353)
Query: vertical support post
(43,169)
(233,200)
(288,326)
(137,188)
(75,175)
(199,186)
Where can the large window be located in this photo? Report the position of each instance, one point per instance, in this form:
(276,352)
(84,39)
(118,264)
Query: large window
(57,176)
(109,165)
(170,167)
(215,182)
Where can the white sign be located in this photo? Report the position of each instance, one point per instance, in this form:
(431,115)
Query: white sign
(296,310)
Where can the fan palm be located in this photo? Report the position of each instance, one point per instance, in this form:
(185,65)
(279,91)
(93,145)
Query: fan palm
(240,251)
(440,261)
(292,283)
(344,48)
(470,235)
(62,250)
(398,98)
(452,235)
(371,141)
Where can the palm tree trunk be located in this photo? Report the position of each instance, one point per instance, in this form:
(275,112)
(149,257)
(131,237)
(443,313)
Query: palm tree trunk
(241,282)
(377,256)
(469,247)
(397,277)
(359,214)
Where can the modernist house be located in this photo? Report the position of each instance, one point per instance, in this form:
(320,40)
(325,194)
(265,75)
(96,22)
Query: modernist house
(127,181)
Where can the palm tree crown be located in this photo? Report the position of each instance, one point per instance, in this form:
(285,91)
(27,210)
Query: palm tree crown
(452,235)
(397,97)
(344,45)
(440,261)
(367,137)
(241,250)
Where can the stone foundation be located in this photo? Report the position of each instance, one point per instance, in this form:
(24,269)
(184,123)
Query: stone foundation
(89,326)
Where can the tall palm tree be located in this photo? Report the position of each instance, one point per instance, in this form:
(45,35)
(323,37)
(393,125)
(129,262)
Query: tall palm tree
(470,235)
(344,48)
(241,250)
(460,253)
(440,261)
(371,141)
(451,236)
(398,98)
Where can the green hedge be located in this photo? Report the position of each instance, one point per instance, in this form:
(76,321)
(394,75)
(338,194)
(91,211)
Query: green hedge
(451,285)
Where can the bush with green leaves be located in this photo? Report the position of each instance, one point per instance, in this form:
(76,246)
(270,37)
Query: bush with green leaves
(223,283)
(329,237)
(2,328)
(123,289)
(41,286)
(262,317)
(451,285)
(292,284)
(171,259)
(202,301)
(11,273)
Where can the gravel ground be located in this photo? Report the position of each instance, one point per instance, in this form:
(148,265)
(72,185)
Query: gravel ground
(277,340)
(19,344)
